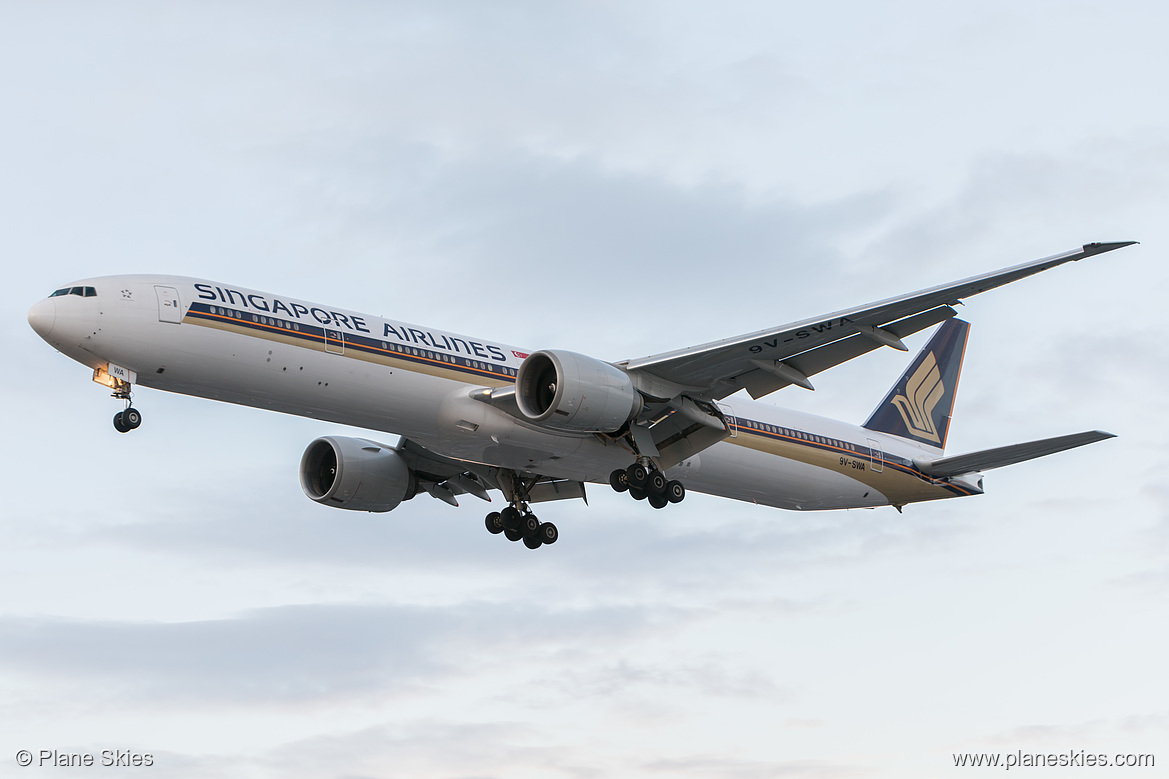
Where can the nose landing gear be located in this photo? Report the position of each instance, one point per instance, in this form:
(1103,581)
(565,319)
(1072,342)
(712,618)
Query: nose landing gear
(129,418)
(125,421)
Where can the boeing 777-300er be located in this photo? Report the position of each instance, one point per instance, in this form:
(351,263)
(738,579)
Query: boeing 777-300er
(473,415)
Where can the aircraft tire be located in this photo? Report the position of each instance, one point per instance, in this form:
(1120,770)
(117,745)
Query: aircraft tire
(512,535)
(120,423)
(637,474)
(532,539)
(548,533)
(658,501)
(132,418)
(638,494)
(619,480)
(675,491)
(530,524)
(494,523)
(511,518)
(656,484)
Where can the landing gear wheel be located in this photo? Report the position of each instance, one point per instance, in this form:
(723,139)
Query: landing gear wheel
(658,501)
(548,533)
(120,423)
(656,483)
(619,480)
(510,517)
(494,523)
(637,474)
(675,491)
(532,541)
(512,535)
(530,524)
(132,418)
(637,493)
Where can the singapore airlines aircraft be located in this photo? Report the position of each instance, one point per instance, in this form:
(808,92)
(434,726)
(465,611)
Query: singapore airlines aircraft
(474,415)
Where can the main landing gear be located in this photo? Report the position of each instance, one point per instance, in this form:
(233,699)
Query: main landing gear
(646,482)
(519,523)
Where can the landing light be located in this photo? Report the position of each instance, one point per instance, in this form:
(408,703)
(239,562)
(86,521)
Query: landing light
(115,377)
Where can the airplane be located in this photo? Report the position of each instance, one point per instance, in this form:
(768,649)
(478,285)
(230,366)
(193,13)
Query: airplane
(473,415)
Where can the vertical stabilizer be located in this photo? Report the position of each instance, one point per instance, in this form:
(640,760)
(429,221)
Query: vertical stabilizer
(919,405)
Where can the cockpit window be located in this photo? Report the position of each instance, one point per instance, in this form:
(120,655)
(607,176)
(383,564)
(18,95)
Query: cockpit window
(83,292)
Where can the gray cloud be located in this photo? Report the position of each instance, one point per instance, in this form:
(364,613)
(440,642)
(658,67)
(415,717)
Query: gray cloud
(710,676)
(467,749)
(710,765)
(614,540)
(293,653)
(523,229)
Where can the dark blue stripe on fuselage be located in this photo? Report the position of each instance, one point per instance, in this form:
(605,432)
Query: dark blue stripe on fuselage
(334,338)
(837,446)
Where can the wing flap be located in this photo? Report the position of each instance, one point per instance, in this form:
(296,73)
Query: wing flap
(1007,455)
(557,489)
(444,478)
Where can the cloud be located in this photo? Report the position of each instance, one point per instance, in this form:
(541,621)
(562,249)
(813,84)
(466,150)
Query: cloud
(456,746)
(697,547)
(709,765)
(300,653)
(712,676)
(520,230)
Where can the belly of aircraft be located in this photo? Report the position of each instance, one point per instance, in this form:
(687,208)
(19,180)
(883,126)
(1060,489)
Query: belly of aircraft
(741,473)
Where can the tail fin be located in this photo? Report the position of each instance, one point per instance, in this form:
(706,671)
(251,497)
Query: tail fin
(918,406)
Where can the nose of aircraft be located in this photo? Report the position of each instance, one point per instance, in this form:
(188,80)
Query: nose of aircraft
(42,316)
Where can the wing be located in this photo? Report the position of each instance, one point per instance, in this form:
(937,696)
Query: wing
(768,360)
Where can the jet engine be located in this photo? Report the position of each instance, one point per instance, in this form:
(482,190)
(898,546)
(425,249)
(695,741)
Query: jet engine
(569,391)
(353,473)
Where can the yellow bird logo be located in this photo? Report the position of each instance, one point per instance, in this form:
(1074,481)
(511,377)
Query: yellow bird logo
(925,390)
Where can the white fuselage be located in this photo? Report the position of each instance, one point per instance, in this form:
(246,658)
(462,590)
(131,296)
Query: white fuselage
(211,340)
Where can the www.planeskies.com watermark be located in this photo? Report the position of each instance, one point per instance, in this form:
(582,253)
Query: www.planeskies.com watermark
(1071,759)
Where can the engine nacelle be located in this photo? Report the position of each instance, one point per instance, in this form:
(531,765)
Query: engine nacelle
(570,391)
(353,473)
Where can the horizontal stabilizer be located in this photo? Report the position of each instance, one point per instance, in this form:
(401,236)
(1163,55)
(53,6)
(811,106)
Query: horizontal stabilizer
(1006,455)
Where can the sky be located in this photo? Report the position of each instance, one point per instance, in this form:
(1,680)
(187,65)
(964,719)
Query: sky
(621,180)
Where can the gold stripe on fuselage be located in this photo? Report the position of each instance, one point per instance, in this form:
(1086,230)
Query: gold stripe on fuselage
(898,482)
(429,362)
